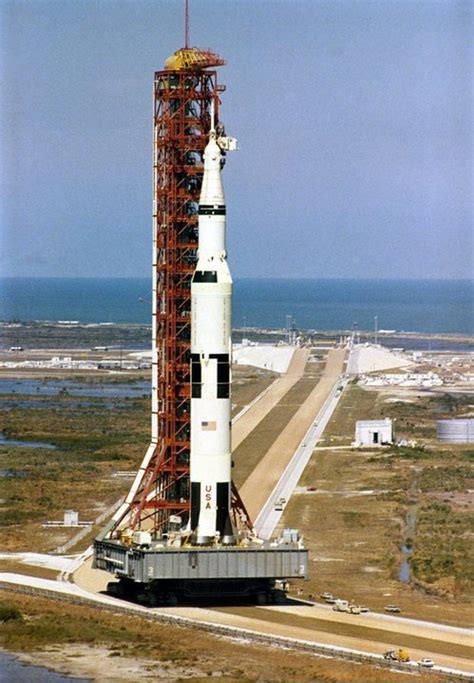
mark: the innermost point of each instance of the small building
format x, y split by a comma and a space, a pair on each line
373, 432
71, 518
455, 431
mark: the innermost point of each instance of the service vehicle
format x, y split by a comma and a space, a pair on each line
399, 655
346, 606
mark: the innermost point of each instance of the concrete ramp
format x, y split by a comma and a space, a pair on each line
370, 358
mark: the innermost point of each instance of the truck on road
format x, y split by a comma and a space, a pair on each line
346, 606
399, 655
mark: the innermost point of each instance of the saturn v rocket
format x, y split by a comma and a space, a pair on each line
211, 355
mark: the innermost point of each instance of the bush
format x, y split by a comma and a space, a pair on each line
9, 613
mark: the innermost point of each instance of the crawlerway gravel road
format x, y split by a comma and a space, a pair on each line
259, 485
247, 423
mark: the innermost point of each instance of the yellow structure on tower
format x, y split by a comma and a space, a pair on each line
190, 58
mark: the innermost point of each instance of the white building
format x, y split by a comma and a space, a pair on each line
71, 518
373, 432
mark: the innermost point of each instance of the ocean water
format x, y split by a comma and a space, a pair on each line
403, 305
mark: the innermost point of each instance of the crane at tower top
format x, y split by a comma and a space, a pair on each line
192, 58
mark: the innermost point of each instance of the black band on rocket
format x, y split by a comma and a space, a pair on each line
195, 503
205, 276
211, 210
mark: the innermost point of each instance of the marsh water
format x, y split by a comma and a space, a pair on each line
28, 386
12, 670
5, 441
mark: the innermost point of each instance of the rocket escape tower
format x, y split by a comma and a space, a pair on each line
184, 94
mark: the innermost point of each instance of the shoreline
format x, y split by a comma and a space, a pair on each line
321, 332
92, 663
47, 665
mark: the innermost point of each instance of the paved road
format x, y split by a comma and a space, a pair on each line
260, 484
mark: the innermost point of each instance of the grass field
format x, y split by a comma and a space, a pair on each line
91, 443
31, 624
369, 503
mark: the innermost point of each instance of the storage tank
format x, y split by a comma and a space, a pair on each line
455, 431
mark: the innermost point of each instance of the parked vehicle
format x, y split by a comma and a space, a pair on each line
329, 598
364, 610
311, 488
399, 655
278, 506
426, 663
392, 608
346, 606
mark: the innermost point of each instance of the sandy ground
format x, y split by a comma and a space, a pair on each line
373, 358
258, 487
58, 562
242, 428
103, 665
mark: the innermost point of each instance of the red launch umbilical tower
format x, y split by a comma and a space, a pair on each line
183, 93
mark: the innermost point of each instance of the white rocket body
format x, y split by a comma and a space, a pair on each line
211, 351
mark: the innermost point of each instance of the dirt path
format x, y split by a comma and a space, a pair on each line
263, 479
242, 428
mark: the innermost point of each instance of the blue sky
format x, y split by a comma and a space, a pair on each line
353, 120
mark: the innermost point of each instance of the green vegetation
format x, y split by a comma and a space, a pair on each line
357, 405
445, 478
368, 503
9, 613
449, 570
40, 624
91, 442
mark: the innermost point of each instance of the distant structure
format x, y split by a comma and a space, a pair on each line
71, 519
455, 431
373, 432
